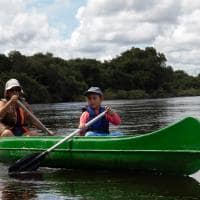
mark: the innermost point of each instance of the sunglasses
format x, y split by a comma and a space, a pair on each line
15, 89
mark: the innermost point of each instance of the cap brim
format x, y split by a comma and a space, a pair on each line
88, 93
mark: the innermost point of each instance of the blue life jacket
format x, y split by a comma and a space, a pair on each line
101, 125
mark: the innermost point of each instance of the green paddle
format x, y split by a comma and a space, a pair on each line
32, 162
35, 118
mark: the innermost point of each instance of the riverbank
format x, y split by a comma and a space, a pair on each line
141, 94
134, 74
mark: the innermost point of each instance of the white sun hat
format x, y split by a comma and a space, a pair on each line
12, 83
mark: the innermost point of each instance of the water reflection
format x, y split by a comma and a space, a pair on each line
138, 116
18, 191
109, 185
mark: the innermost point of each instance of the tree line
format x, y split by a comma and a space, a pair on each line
135, 73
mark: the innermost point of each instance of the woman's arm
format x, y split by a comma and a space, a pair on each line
4, 106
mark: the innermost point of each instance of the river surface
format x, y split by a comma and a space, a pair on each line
138, 117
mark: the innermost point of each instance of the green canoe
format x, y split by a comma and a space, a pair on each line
174, 149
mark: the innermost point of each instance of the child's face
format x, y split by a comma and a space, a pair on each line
94, 100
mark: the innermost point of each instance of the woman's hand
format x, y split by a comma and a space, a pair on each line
109, 110
5, 106
13, 99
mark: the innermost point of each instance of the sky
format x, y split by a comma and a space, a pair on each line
102, 29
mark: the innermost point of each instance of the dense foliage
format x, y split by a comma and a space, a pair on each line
136, 73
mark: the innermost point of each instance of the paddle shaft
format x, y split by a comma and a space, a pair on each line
73, 133
34, 117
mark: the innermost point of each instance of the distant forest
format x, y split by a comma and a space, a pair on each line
134, 74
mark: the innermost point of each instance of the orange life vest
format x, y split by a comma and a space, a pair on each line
15, 117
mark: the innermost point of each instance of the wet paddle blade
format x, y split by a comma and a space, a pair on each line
28, 163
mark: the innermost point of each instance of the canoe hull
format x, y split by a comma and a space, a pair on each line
173, 162
174, 149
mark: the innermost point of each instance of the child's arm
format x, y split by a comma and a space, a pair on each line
83, 120
112, 116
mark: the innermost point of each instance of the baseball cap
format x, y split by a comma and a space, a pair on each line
95, 90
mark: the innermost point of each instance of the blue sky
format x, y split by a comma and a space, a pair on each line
61, 17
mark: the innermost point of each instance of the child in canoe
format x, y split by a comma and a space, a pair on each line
94, 97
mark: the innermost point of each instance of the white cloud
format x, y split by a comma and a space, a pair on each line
26, 30
181, 44
173, 27
106, 28
121, 24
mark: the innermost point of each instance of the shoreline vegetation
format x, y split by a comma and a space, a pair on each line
134, 74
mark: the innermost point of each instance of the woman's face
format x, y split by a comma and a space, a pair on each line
94, 100
14, 91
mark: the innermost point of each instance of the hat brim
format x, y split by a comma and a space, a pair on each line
12, 86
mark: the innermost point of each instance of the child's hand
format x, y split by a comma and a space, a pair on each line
83, 129
82, 126
109, 110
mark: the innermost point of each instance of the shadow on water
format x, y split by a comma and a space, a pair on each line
74, 184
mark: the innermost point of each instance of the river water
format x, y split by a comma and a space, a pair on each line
138, 117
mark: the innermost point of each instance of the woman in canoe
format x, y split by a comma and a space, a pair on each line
13, 119
94, 97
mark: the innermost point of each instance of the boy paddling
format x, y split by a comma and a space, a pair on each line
94, 97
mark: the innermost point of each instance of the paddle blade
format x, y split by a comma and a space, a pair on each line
28, 163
